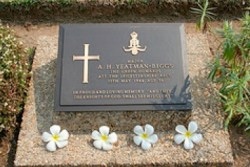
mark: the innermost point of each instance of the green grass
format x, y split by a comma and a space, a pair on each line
231, 71
28, 4
204, 12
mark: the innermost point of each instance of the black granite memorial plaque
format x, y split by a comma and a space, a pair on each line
111, 67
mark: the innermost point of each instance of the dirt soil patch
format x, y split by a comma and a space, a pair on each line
5, 145
78, 9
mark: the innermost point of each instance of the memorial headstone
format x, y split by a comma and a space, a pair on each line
110, 67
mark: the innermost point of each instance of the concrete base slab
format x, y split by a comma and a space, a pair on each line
214, 150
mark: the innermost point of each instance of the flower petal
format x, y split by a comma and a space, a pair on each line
145, 145
181, 129
188, 144
46, 137
64, 135
98, 144
112, 138
137, 140
51, 146
107, 146
179, 138
196, 138
192, 127
153, 138
149, 129
138, 130
104, 130
96, 135
55, 129
61, 144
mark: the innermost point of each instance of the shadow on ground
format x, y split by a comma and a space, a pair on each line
204, 100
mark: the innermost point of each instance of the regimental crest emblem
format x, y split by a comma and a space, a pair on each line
134, 45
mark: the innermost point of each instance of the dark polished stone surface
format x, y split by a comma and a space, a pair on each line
130, 67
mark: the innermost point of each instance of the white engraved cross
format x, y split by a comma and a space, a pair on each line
86, 59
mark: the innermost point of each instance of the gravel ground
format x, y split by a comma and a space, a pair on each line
29, 34
39, 110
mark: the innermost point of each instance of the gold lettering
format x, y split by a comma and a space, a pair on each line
109, 67
100, 67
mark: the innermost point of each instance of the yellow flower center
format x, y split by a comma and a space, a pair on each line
188, 134
55, 137
104, 137
144, 135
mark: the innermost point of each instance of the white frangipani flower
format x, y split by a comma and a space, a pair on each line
146, 137
102, 139
188, 136
56, 138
